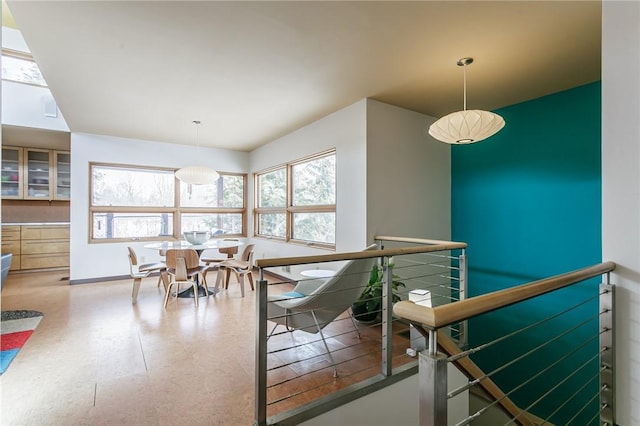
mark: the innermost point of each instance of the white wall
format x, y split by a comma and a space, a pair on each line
408, 175
418, 178
345, 131
621, 191
103, 260
24, 105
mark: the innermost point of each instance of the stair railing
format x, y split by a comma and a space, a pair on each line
441, 351
282, 352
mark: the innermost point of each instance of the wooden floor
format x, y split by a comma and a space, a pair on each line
97, 359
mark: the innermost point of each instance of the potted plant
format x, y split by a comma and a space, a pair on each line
369, 304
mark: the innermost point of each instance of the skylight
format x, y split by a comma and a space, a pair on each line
21, 68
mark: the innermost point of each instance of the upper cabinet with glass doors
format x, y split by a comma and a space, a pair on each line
12, 172
62, 175
38, 168
35, 174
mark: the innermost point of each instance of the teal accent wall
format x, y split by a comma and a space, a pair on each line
528, 203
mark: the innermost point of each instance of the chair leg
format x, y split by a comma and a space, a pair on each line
333, 363
204, 284
272, 330
164, 277
195, 293
353, 321
136, 288
221, 272
241, 282
166, 296
250, 275
226, 283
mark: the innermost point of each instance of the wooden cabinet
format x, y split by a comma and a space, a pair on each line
36, 246
61, 175
11, 244
12, 172
36, 174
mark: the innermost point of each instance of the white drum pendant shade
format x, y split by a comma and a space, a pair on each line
463, 127
197, 175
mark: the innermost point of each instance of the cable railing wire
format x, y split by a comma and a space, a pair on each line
576, 393
560, 383
584, 407
516, 332
520, 358
544, 370
304, 374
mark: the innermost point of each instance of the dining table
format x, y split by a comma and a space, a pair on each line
211, 244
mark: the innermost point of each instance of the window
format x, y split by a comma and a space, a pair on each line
20, 67
297, 202
136, 202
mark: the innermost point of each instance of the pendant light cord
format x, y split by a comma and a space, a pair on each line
197, 123
464, 71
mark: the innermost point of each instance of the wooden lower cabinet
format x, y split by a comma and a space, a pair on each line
11, 244
39, 261
36, 246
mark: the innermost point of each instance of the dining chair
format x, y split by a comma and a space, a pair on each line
138, 272
213, 262
240, 267
184, 267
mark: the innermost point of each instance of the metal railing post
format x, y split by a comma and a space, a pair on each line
261, 353
387, 319
607, 354
433, 386
463, 283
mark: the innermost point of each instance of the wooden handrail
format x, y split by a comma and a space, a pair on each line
415, 240
302, 260
441, 316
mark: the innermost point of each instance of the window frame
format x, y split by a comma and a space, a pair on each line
176, 210
289, 210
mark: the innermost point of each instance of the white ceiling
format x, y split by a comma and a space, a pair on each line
254, 71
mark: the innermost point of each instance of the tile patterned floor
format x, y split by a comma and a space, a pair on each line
95, 359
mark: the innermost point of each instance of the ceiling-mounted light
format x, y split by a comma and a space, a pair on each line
467, 126
197, 175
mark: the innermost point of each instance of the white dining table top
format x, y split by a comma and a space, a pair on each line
211, 244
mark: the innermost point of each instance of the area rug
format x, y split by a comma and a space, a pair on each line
15, 327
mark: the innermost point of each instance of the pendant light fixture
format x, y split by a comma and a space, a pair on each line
197, 175
466, 126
